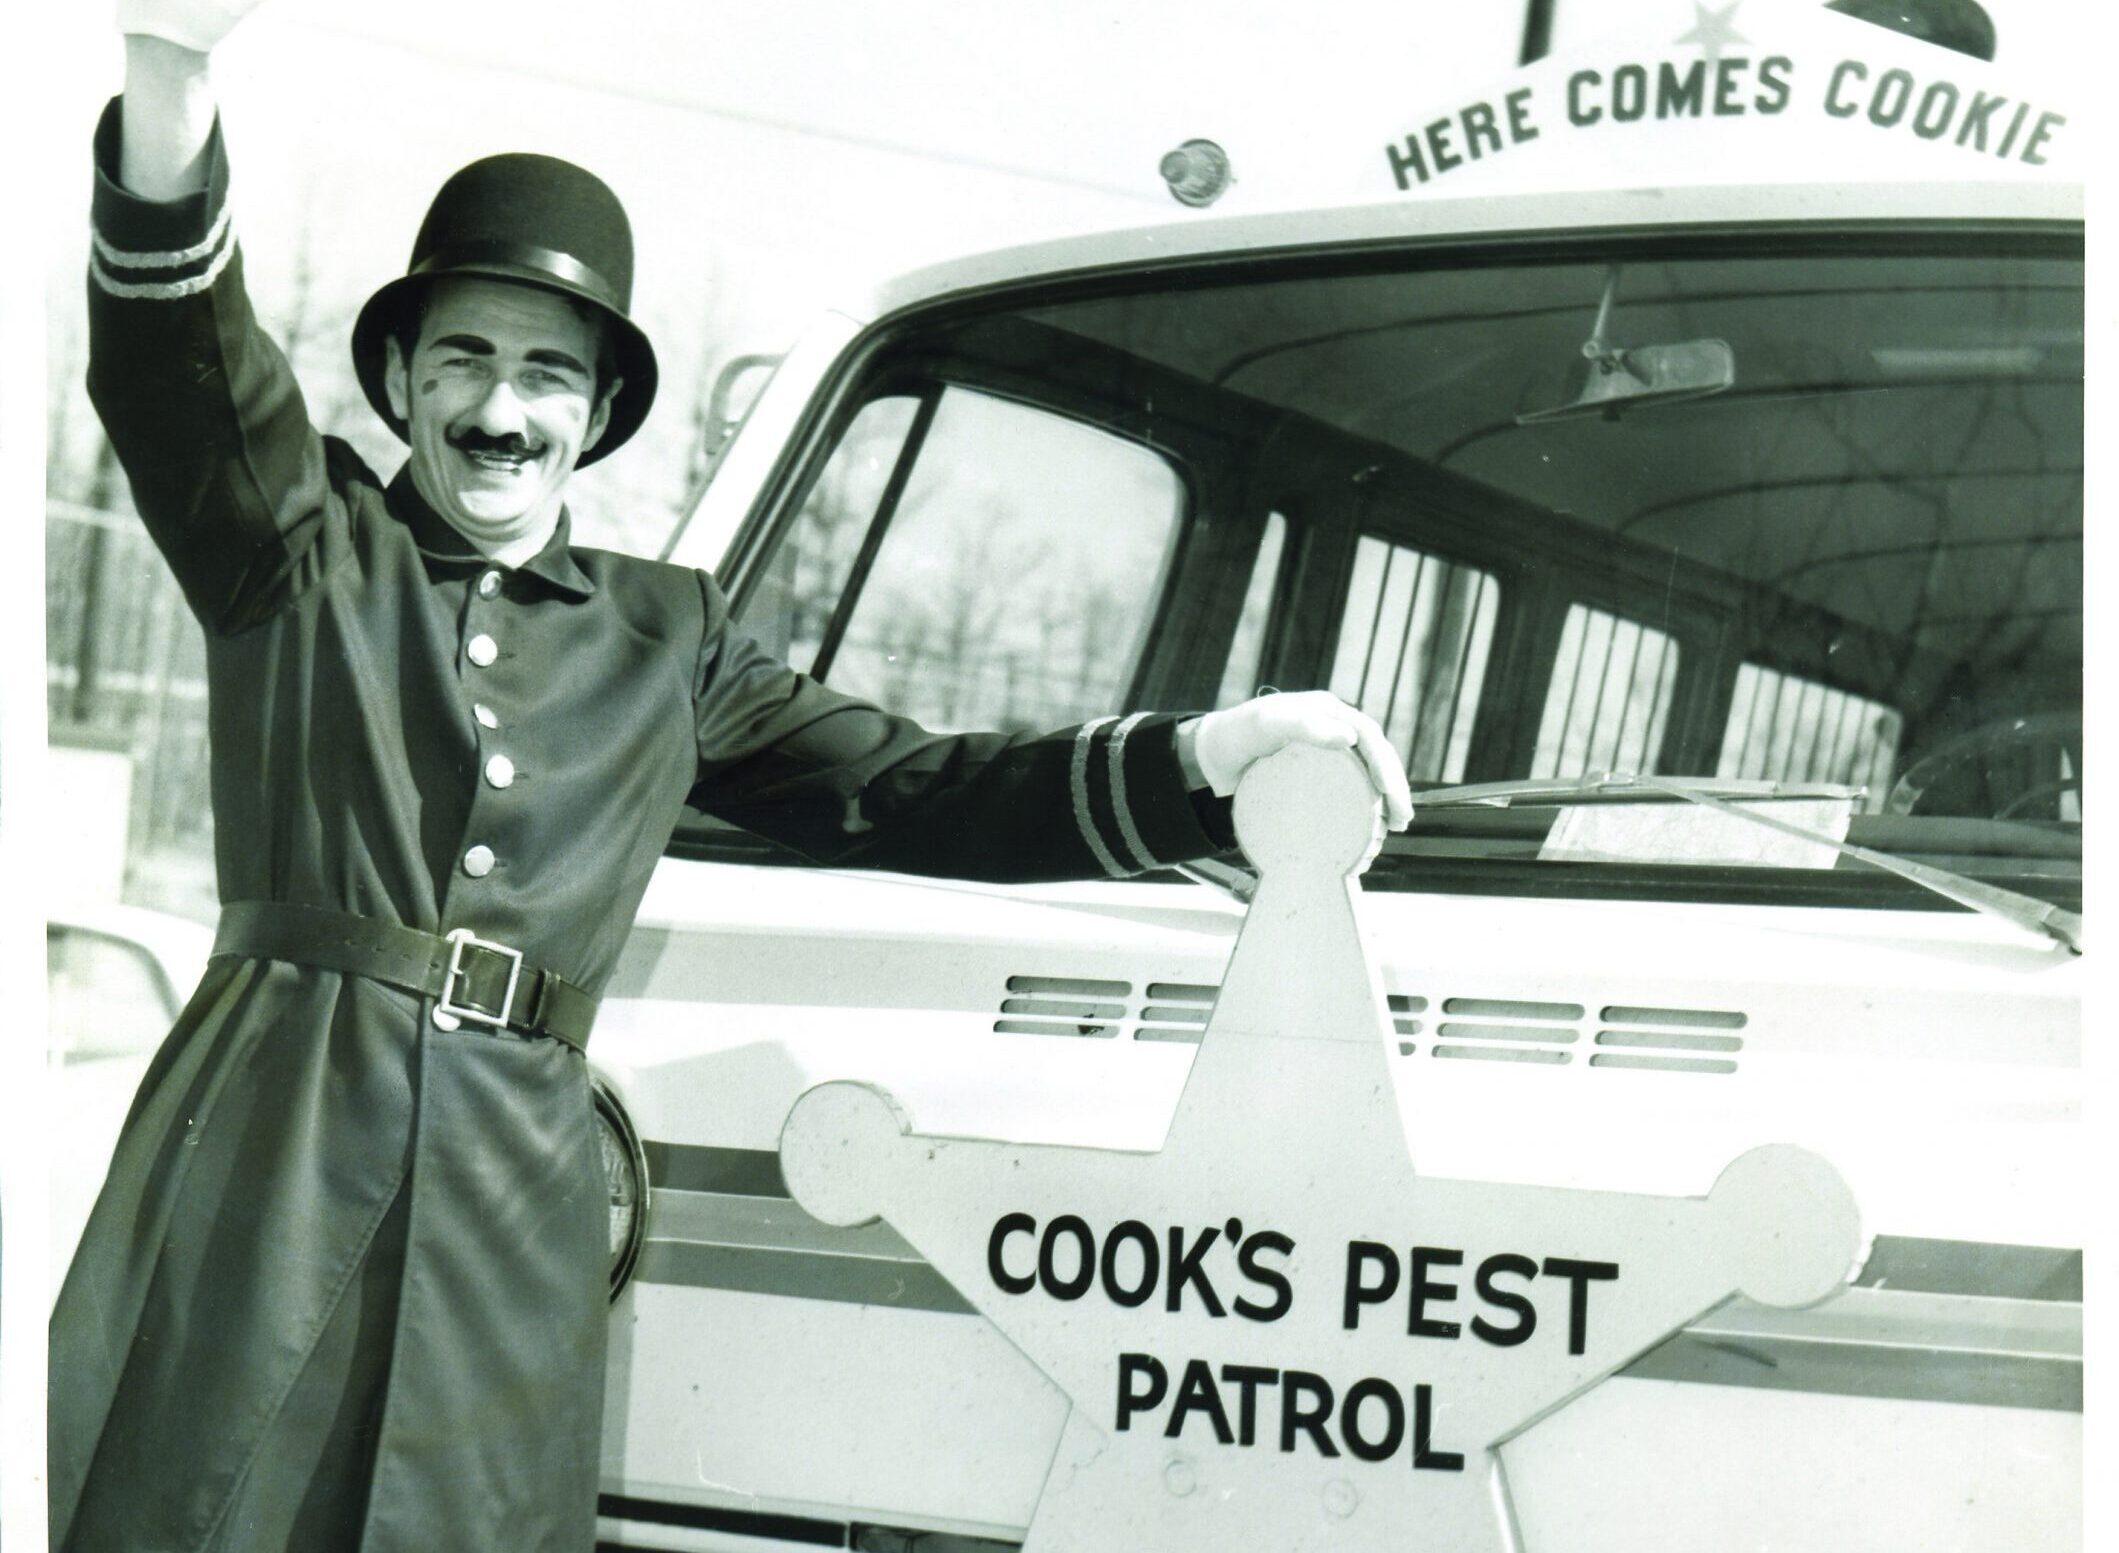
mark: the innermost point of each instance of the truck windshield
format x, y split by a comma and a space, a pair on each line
1784, 510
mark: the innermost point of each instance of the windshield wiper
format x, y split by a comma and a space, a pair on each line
2025, 911
1622, 785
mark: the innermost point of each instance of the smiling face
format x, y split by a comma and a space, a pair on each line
501, 398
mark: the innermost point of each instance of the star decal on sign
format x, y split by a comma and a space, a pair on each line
1274, 1332
1714, 30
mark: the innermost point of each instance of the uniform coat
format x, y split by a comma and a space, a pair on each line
345, 1285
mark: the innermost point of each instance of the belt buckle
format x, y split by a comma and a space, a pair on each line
459, 940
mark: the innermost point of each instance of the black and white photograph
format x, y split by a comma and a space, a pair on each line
933, 778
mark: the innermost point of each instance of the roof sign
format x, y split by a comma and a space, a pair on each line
1758, 93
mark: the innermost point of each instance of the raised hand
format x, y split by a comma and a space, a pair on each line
192, 24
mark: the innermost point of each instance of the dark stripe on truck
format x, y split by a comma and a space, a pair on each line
856, 1280
746, 1523
690, 1167
1972, 1267
2048, 1383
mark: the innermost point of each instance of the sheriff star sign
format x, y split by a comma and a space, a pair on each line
1275, 1333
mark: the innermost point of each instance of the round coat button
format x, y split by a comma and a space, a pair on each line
500, 771
482, 650
488, 585
444, 1020
478, 862
484, 714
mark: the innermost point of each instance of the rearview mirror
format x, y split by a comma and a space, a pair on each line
1621, 377
1647, 374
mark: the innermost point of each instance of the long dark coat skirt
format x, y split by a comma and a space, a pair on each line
345, 1285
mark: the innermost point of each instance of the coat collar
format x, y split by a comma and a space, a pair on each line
438, 541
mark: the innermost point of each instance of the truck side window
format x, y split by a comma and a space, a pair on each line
1412, 651
1012, 582
792, 603
1609, 696
1783, 728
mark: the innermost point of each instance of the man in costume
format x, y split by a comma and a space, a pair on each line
344, 1286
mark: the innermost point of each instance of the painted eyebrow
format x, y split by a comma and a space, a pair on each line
546, 356
543, 355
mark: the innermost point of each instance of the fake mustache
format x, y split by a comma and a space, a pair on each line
470, 439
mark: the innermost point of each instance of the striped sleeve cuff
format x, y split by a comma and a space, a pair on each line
156, 250
1131, 802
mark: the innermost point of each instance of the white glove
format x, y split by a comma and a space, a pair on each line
1225, 743
192, 24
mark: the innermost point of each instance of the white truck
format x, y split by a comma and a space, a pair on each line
1705, 530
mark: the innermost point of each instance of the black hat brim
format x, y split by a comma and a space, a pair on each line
382, 313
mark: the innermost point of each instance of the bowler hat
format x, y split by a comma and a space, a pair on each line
538, 221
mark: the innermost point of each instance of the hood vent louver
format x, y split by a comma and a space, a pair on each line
1669, 1040
1546, 1034
1060, 1005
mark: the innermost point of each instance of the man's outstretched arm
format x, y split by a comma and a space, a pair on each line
845, 782
201, 407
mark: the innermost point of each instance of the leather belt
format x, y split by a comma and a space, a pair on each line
474, 979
